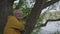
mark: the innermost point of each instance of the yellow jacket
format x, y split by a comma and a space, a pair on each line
13, 25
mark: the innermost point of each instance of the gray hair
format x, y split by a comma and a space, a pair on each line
17, 11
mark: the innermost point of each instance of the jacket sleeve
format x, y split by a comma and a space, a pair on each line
16, 24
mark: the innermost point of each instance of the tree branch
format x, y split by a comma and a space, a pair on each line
50, 3
42, 25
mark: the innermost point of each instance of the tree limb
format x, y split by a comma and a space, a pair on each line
50, 3
42, 25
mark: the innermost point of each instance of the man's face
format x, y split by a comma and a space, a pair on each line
18, 15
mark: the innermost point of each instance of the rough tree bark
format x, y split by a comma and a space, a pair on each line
31, 19
5, 6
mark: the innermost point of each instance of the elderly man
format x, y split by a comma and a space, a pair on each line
14, 24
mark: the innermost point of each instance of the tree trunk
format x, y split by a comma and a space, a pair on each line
5, 6
31, 19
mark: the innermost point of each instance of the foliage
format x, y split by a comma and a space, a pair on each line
40, 18
26, 11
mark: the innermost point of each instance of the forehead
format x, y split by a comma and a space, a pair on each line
17, 11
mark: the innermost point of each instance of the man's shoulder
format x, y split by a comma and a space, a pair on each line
12, 18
